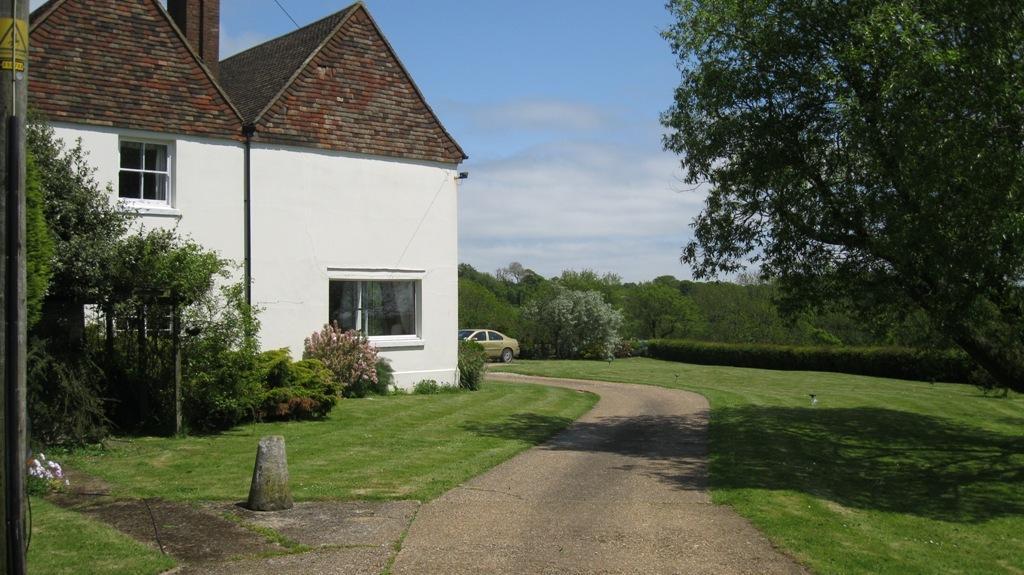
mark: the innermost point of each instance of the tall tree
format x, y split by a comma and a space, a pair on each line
608, 285
86, 228
869, 149
655, 310
520, 283
480, 308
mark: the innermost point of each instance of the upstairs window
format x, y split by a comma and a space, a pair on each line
144, 175
376, 308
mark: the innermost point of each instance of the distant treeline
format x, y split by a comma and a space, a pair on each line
747, 311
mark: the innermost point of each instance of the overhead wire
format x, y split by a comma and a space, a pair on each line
279, 5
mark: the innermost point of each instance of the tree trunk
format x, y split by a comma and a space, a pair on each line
992, 339
1001, 357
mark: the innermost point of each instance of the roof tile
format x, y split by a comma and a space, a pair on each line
122, 63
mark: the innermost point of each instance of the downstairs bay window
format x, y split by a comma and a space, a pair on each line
382, 309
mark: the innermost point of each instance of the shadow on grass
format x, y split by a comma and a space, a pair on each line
872, 458
866, 458
531, 428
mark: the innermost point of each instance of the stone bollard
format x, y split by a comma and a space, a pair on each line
269, 490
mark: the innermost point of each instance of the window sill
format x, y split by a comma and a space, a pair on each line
384, 342
151, 210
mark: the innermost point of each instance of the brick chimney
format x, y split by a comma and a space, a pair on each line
199, 20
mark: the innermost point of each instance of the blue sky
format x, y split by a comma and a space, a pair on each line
557, 105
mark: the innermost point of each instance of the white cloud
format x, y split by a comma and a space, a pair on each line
599, 205
537, 115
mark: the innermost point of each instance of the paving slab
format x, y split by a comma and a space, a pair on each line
329, 523
622, 490
356, 537
181, 530
347, 561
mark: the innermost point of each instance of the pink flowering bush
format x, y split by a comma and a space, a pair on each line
351, 358
45, 476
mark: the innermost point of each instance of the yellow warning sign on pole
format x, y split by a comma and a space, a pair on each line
13, 44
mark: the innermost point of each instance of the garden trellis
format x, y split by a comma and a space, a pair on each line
143, 355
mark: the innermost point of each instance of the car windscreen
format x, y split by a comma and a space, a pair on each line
464, 333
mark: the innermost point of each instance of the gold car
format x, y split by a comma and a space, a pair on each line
497, 345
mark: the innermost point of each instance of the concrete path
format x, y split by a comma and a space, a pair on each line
623, 490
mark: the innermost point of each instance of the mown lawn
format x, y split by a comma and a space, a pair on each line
881, 476
67, 543
399, 447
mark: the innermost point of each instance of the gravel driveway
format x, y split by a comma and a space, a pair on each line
622, 490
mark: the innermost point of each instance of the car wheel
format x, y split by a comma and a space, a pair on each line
506, 355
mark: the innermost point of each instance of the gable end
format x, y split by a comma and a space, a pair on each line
354, 95
124, 64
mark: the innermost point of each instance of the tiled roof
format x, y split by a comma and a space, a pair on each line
348, 93
336, 84
253, 78
123, 63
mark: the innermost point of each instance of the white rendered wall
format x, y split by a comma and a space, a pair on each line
206, 183
320, 215
316, 216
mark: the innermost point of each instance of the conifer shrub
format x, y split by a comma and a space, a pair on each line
302, 389
472, 359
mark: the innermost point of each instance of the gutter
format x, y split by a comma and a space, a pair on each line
248, 130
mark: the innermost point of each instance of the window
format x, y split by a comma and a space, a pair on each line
144, 174
376, 308
493, 336
480, 336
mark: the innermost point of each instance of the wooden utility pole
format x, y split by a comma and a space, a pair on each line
14, 104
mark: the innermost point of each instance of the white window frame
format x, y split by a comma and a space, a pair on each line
143, 205
338, 274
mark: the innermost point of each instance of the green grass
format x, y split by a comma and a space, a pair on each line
66, 543
399, 447
881, 476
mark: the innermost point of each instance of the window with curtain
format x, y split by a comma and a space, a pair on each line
376, 308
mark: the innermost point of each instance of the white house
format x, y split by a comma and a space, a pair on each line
313, 159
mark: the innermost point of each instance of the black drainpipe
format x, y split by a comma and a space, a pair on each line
248, 130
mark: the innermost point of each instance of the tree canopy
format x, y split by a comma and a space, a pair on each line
867, 150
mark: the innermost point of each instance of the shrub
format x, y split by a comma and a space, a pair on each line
65, 403
385, 377
472, 359
426, 387
225, 395
44, 476
432, 387
221, 383
631, 347
895, 362
295, 389
572, 324
349, 356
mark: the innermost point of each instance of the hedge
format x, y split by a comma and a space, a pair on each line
894, 362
